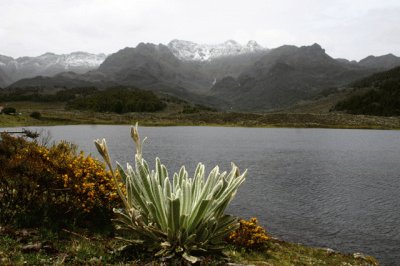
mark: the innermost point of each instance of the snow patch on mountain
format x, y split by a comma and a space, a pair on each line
190, 51
49, 64
75, 59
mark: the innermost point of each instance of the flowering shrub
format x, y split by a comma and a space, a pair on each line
54, 185
88, 181
249, 235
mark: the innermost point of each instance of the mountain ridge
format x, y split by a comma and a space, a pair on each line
49, 64
382, 62
255, 80
285, 76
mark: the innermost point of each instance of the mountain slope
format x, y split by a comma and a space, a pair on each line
49, 64
285, 76
378, 94
4, 79
148, 66
64, 80
383, 62
152, 67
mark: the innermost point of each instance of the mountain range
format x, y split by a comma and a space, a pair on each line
228, 76
48, 64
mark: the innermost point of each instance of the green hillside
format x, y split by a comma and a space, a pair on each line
119, 100
115, 99
378, 94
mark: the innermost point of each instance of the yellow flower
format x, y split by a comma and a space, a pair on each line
249, 234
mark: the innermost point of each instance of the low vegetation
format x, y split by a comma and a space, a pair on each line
55, 114
39, 246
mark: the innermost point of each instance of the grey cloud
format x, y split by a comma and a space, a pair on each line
350, 29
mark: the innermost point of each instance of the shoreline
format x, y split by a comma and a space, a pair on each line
143, 124
6, 124
54, 113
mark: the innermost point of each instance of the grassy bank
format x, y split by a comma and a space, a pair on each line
43, 247
55, 114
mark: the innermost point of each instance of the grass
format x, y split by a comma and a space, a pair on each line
43, 247
55, 114
284, 253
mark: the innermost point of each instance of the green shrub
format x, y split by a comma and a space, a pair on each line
180, 219
36, 115
9, 110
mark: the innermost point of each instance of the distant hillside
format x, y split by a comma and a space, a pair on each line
284, 77
226, 76
64, 80
34, 94
383, 62
153, 67
48, 64
4, 79
378, 94
119, 100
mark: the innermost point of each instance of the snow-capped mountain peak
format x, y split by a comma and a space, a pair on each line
190, 51
49, 64
74, 59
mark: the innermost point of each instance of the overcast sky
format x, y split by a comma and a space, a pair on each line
350, 29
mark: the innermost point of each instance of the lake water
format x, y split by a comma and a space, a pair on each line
321, 187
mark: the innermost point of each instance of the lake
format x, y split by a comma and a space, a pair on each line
331, 188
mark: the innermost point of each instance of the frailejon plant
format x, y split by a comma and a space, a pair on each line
180, 219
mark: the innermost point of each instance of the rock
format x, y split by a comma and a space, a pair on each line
24, 234
239, 264
32, 248
96, 260
49, 249
330, 251
359, 256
